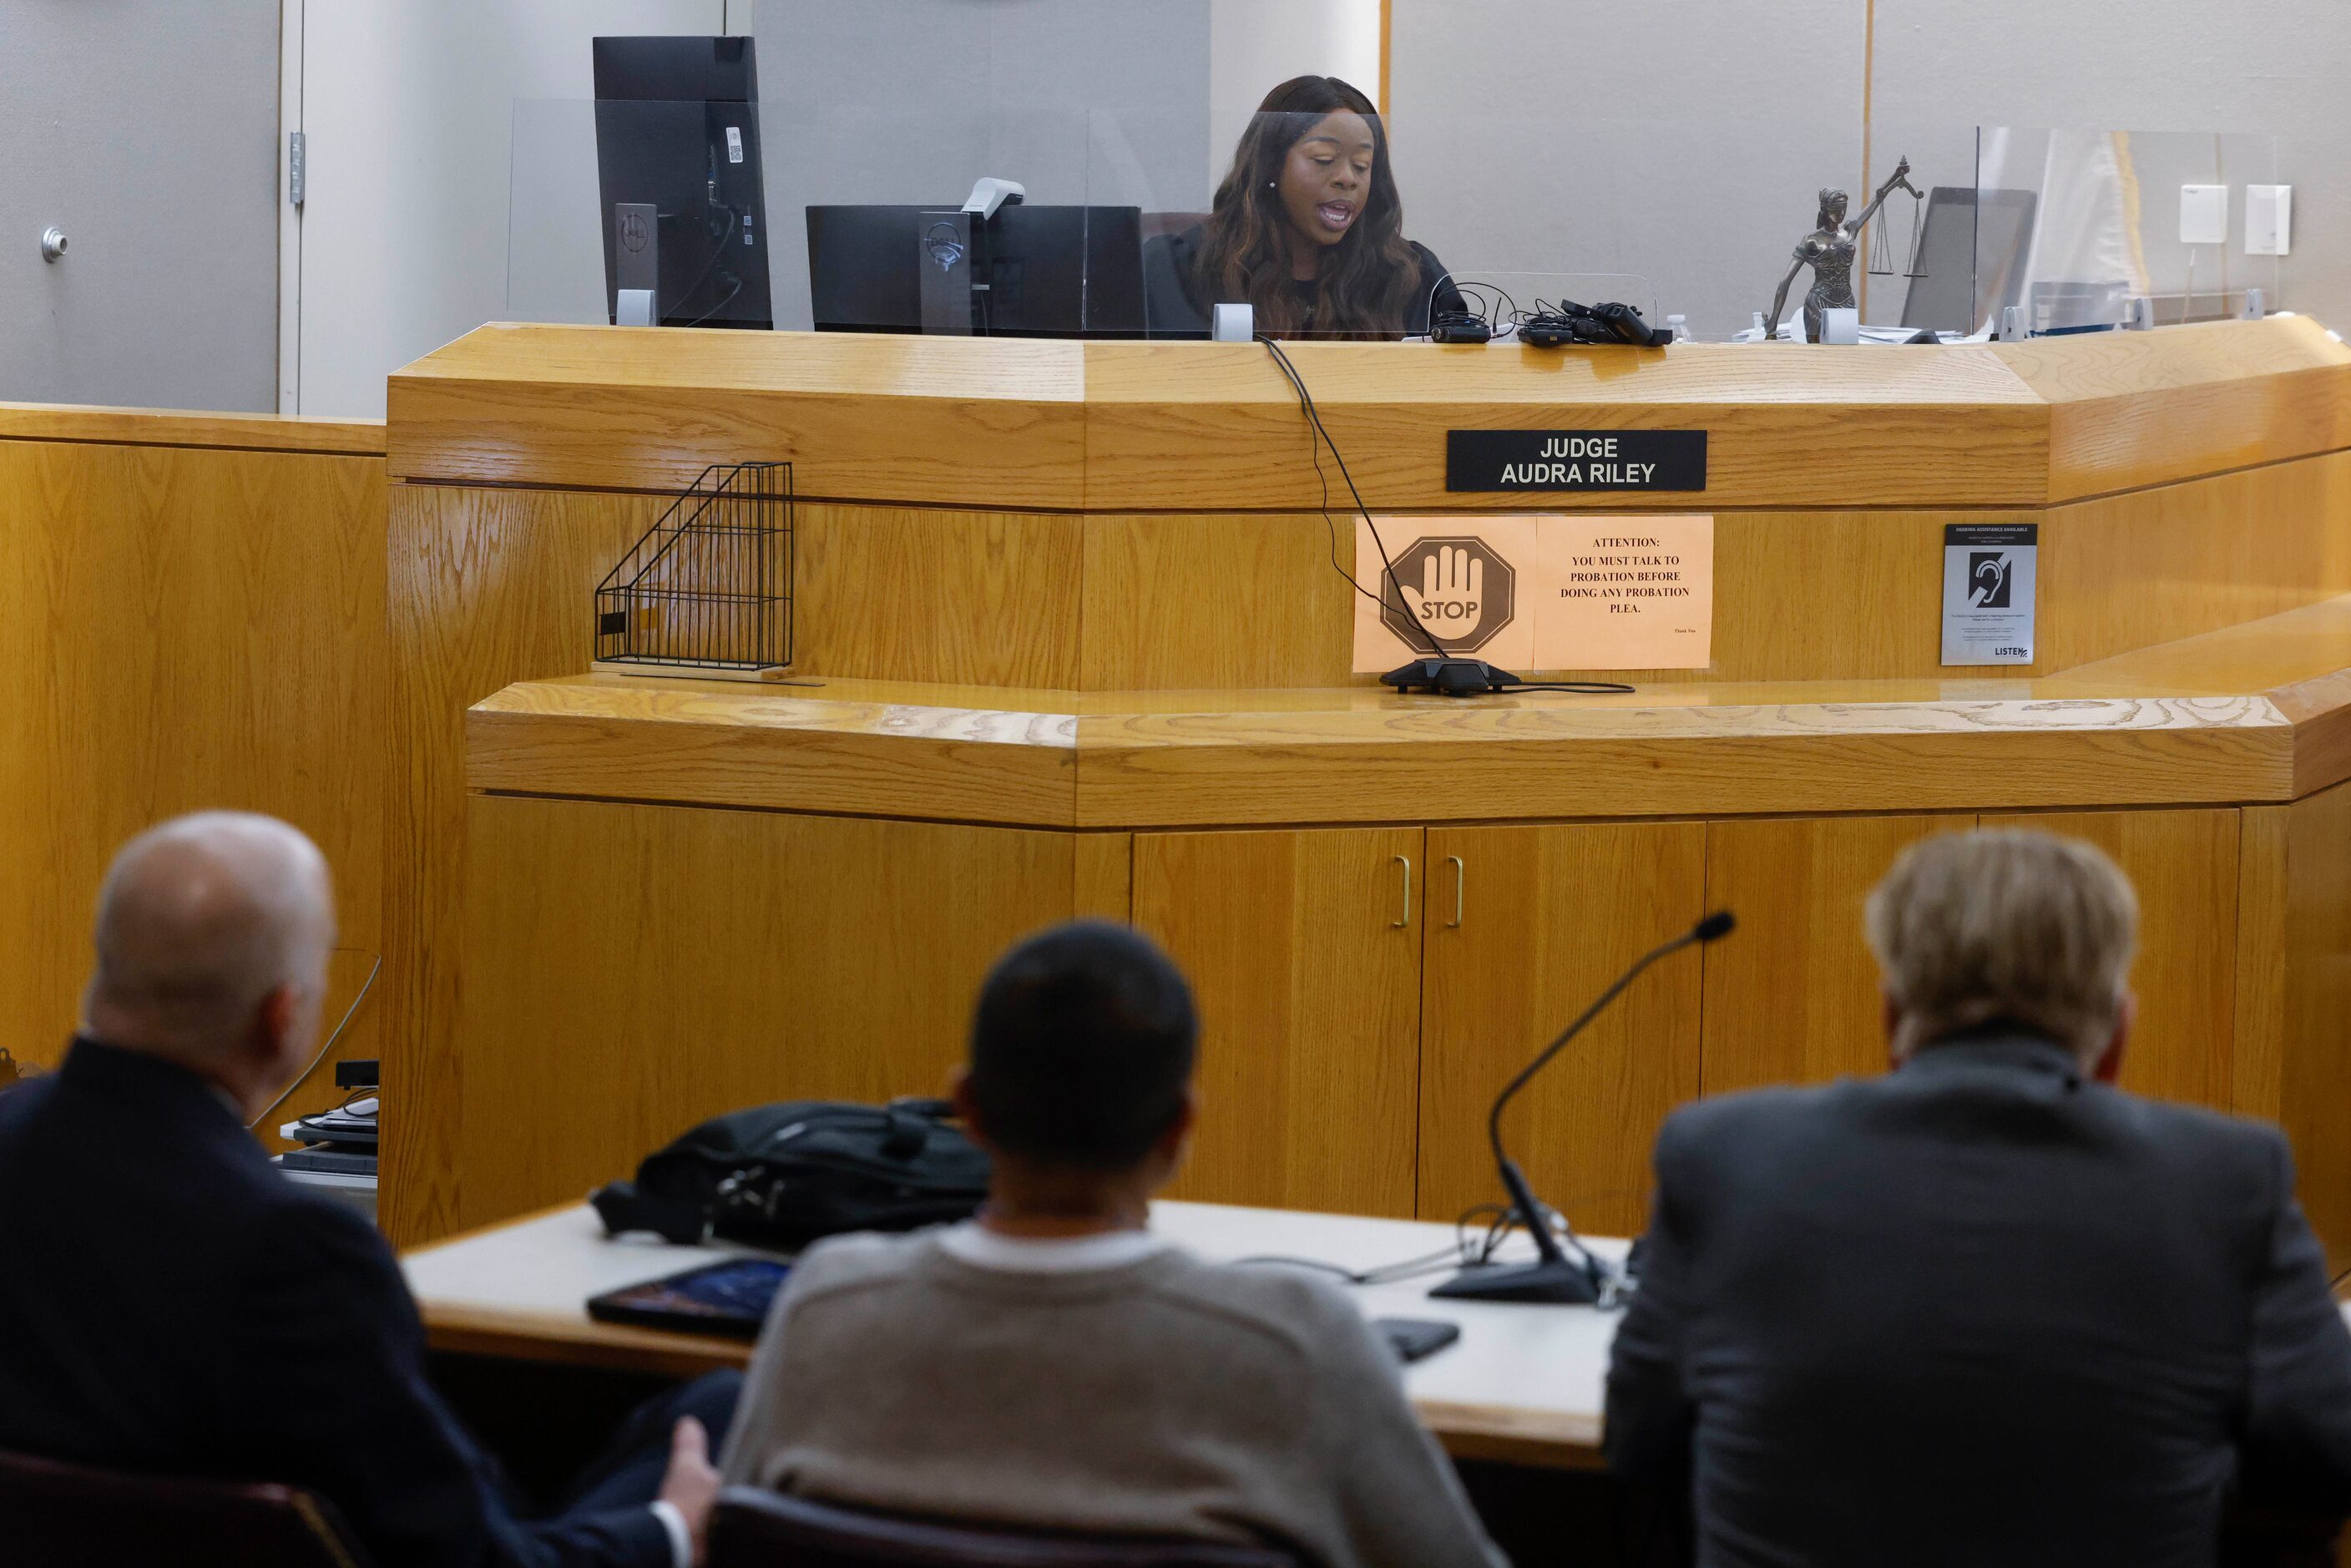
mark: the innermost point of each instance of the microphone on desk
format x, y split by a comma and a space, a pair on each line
1553, 1277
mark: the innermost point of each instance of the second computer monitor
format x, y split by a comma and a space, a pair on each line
1047, 271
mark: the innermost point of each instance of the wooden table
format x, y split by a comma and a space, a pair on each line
1522, 1384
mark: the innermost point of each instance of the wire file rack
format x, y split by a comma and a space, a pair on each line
707, 592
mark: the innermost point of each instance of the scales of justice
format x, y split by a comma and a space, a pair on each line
1829, 251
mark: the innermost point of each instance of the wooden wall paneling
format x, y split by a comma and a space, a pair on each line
1310, 1008
631, 970
1881, 620
1827, 751
2185, 866
897, 593
1791, 996
1219, 425
2315, 1064
979, 422
1547, 917
2154, 566
2136, 409
188, 427
1240, 600
181, 628
487, 587
1218, 600
2258, 1031
782, 745
1105, 871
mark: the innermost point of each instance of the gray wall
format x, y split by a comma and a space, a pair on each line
913, 101
148, 130
2268, 70
1695, 163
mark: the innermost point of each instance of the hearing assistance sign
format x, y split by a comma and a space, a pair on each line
1533, 593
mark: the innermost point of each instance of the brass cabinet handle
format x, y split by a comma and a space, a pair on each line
1460, 878
1400, 925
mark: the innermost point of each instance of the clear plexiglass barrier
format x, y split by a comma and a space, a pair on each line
1099, 223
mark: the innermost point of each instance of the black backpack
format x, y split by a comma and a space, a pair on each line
783, 1175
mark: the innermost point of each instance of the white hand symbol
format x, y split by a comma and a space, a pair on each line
1452, 589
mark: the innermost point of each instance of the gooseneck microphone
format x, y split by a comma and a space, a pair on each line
1553, 1276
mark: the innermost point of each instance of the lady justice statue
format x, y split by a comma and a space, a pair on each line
1829, 251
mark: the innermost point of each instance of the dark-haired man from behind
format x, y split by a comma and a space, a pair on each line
1987, 1308
1053, 1364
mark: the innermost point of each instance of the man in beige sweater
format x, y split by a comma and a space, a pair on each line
1053, 1363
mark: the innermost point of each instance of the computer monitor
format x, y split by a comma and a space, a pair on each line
1970, 257
1033, 271
677, 164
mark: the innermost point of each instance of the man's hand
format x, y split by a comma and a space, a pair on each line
1452, 583
690, 1485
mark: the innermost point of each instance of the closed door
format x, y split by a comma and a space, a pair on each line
2184, 865
1792, 997
1527, 925
1303, 949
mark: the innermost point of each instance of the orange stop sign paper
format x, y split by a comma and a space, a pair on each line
1538, 593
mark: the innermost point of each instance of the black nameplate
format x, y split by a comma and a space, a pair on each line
1576, 459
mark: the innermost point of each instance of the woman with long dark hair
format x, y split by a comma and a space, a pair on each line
1307, 228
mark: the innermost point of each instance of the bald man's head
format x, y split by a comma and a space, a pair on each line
213, 935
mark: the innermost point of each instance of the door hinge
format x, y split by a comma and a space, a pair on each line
294, 167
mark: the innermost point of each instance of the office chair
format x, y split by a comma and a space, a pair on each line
752, 1528
57, 1512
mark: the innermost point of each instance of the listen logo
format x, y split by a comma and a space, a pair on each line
1456, 589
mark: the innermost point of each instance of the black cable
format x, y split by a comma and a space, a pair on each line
1314, 417
365, 986
722, 305
1462, 1254
1387, 565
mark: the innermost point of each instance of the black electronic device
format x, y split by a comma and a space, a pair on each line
1415, 1339
359, 1073
678, 164
1459, 326
1450, 677
1553, 327
1035, 271
1554, 1277
730, 1297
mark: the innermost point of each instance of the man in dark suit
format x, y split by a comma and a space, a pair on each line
1986, 1308
169, 1302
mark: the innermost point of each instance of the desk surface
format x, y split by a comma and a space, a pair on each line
1522, 1383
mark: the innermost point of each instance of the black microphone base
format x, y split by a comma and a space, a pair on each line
1450, 677
1555, 1282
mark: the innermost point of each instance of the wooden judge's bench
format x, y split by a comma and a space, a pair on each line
1074, 646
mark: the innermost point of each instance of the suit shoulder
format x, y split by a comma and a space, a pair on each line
2192, 1134
1750, 1113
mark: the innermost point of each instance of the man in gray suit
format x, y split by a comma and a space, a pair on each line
1987, 1309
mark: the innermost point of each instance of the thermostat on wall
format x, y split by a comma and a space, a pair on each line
2269, 220
2203, 214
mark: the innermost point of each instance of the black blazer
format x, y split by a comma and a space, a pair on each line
169, 1302
1978, 1311
1173, 306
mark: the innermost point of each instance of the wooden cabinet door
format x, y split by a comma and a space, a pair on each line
1527, 925
1303, 949
632, 970
1792, 997
2185, 867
